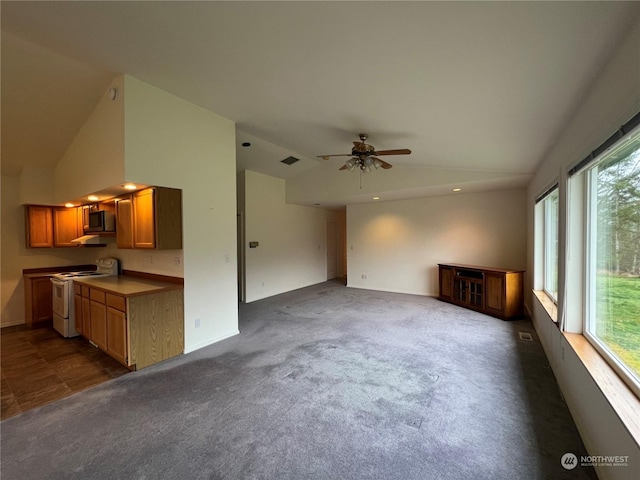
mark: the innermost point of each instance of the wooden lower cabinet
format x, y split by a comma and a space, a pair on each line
117, 334
495, 291
137, 331
38, 299
117, 328
77, 302
99, 324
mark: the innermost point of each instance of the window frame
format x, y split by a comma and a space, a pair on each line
546, 261
631, 378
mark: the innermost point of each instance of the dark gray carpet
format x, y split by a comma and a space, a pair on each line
325, 382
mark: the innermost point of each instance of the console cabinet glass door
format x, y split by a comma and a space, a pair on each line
468, 291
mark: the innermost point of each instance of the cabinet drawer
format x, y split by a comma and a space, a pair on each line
77, 289
116, 301
97, 295
85, 291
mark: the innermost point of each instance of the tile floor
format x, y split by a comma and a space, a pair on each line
38, 366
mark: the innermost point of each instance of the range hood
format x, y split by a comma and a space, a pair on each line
88, 240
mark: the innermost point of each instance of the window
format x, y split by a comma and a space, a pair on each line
550, 250
547, 243
613, 257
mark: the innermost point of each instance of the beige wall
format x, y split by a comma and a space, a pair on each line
292, 239
398, 245
613, 100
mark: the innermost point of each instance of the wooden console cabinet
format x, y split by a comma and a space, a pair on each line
495, 291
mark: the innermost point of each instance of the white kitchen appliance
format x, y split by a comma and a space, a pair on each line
64, 315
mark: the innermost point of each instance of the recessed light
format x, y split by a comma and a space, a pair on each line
69, 205
376, 198
92, 198
457, 189
246, 144
130, 186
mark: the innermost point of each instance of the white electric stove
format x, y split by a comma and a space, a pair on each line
64, 317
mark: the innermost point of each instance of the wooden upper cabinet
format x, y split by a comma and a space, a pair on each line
150, 218
144, 235
124, 222
168, 215
53, 226
39, 224
66, 226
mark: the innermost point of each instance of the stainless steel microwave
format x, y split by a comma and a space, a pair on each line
100, 221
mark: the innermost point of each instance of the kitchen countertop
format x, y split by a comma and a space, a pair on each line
48, 271
127, 286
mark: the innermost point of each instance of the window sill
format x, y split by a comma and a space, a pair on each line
548, 304
623, 401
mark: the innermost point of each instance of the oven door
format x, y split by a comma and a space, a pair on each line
60, 297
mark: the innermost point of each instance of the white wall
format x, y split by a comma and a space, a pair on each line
292, 239
173, 143
399, 244
613, 99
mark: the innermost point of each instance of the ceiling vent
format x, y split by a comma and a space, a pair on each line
290, 160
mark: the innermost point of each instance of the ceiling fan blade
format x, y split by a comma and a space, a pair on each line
326, 157
383, 164
401, 151
343, 167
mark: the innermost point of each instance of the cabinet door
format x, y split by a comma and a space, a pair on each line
77, 303
65, 226
42, 299
86, 318
117, 334
495, 293
468, 292
99, 324
144, 234
39, 227
124, 222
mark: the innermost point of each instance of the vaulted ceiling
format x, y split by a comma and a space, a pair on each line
482, 87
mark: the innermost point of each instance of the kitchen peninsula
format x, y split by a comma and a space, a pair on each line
138, 321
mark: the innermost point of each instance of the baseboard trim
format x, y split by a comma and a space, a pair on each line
405, 292
211, 342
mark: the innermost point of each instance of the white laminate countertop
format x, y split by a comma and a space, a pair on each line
127, 286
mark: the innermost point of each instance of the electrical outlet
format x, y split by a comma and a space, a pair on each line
150, 259
226, 258
197, 323
364, 276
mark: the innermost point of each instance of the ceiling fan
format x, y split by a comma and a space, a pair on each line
364, 156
